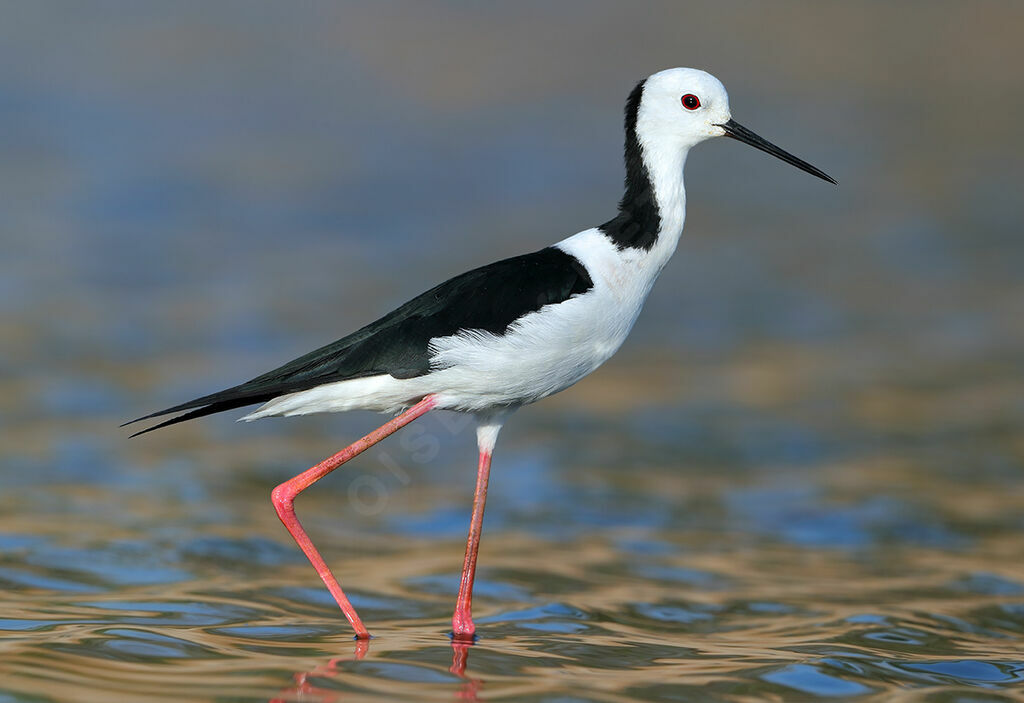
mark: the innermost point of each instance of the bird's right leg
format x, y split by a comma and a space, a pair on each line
283, 498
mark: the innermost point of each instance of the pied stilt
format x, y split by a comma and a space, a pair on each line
510, 333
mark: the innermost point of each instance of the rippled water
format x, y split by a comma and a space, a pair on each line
711, 583
801, 479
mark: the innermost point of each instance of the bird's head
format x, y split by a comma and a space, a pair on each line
681, 107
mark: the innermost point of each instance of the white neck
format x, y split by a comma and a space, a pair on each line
666, 173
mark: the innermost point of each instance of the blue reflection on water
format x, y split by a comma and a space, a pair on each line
810, 679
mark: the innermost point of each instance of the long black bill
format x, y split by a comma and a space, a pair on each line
741, 133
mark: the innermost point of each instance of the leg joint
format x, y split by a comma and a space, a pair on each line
283, 498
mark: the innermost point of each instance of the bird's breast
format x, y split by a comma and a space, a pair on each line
550, 349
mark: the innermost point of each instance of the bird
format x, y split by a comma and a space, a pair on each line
509, 333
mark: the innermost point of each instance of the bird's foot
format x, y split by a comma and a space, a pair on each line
463, 629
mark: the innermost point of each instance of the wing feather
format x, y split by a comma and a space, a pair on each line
487, 298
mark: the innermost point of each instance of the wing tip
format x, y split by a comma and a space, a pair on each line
201, 411
138, 419
165, 423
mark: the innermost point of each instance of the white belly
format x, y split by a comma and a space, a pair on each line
544, 353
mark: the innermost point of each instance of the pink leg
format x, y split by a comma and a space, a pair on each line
463, 628
283, 498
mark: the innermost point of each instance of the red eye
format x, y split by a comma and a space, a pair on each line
691, 101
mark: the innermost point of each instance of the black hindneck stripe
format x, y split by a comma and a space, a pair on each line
638, 222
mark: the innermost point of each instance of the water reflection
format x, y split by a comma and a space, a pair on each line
781, 619
305, 681
325, 682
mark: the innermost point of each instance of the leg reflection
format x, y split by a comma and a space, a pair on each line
304, 688
460, 657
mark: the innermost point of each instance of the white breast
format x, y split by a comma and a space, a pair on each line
548, 350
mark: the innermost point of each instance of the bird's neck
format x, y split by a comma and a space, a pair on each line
666, 174
653, 208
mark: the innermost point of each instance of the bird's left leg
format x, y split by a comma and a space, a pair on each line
487, 430
284, 496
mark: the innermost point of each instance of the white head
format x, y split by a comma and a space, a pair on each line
667, 114
681, 107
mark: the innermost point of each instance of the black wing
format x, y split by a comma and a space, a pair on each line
488, 298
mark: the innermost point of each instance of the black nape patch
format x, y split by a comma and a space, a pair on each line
488, 298
638, 222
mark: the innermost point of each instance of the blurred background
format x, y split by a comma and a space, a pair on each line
800, 477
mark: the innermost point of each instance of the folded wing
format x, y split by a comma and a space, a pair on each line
488, 298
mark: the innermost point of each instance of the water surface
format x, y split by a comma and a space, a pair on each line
801, 479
